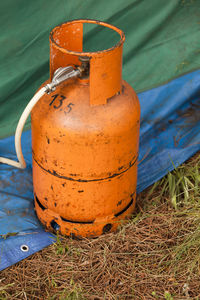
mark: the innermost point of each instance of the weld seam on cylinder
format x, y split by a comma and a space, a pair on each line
131, 164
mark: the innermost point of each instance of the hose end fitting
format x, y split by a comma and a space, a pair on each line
60, 75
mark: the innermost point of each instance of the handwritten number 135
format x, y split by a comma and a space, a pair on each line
60, 99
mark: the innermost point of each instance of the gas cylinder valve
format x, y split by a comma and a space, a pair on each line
84, 68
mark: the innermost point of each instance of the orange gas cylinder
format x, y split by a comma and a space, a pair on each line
85, 138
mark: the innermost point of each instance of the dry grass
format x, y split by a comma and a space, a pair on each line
154, 256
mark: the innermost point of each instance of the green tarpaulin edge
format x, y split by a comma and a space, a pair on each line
162, 43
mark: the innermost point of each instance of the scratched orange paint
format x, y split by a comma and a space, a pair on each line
85, 138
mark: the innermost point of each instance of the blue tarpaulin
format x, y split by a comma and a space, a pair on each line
169, 135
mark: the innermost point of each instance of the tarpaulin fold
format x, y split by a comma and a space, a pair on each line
161, 54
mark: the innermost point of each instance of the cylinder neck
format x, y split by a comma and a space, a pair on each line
105, 67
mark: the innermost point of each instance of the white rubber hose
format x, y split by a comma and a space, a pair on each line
21, 164
60, 75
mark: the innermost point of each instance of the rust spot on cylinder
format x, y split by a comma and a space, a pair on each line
119, 203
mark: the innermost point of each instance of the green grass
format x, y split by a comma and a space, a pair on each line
74, 292
3, 293
59, 247
181, 186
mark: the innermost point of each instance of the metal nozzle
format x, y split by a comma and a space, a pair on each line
60, 75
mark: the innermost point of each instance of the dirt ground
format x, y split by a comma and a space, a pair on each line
156, 255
